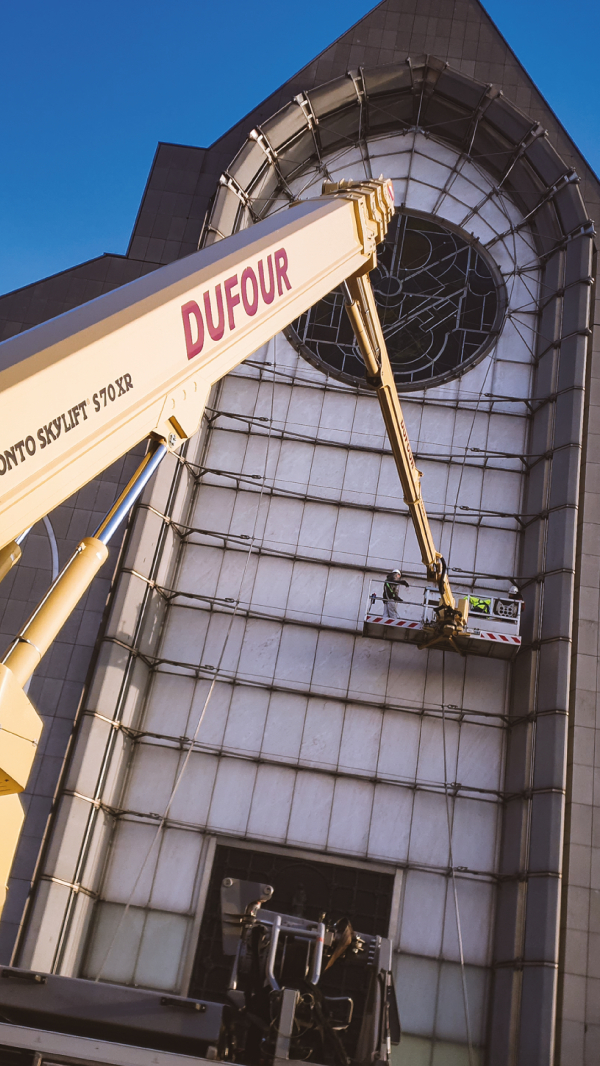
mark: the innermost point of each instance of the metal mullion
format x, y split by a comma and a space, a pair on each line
460, 402
496, 797
368, 449
200, 672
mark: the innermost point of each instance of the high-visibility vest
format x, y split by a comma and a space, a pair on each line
483, 606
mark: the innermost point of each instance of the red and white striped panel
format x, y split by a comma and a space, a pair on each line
503, 638
400, 623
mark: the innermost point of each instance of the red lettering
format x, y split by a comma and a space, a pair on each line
267, 295
194, 347
231, 300
217, 331
250, 306
281, 265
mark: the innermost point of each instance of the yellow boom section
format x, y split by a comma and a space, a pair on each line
362, 312
79, 391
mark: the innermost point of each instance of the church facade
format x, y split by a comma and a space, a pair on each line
214, 709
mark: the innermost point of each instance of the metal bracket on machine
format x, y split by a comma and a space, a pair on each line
275, 984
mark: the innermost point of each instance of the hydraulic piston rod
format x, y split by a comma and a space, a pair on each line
20, 725
36, 636
50, 616
9, 556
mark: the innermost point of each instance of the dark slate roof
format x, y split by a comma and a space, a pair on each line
26, 307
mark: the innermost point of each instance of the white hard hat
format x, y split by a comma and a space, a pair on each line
513, 591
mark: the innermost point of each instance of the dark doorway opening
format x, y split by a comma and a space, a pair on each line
308, 889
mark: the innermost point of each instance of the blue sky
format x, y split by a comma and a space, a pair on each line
88, 89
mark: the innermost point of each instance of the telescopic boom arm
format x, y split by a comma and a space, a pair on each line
362, 312
77, 392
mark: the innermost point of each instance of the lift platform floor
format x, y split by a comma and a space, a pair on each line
472, 642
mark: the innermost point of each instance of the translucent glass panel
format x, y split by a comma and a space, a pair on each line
141, 947
365, 736
330, 662
428, 923
432, 1000
418, 1051
336, 812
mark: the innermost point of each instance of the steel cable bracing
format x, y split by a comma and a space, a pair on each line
190, 748
460, 402
208, 672
258, 424
253, 609
321, 383
453, 875
243, 482
185, 532
137, 818
478, 457
171, 743
413, 784
234, 678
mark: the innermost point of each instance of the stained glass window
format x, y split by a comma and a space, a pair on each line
439, 304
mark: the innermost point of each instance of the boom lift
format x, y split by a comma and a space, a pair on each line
77, 392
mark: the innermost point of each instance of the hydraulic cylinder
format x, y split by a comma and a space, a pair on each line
9, 556
12, 817
36, 637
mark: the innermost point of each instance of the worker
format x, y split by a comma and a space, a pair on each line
390, 592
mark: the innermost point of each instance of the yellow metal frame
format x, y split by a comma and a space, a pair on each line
363, 315
79, 391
